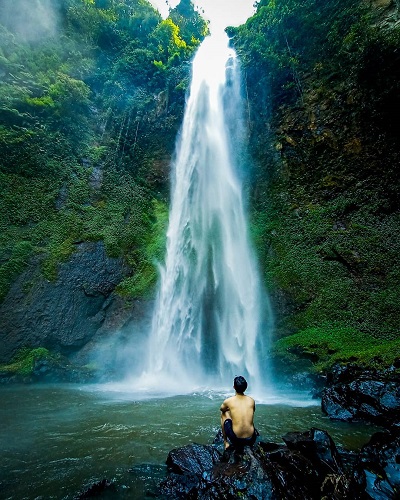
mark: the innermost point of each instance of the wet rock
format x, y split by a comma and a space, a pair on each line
59, 370
65, 315
96, 178
193, 458
343, 373
292, 474
49, 369
370, 396
181, 486
219, 438
377, 471
308, 466
188, 466
96, 488
228, 477
318, 447
7, 378
335, 403
241, 475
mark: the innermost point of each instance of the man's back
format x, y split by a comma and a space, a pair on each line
241, 409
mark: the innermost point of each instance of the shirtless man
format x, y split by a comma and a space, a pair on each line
237, 413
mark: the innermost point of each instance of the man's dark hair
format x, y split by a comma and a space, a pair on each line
240, 384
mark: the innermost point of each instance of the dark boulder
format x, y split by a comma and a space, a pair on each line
335, 403
291, 473
317, 446
230, 476
308, 466
192, 459
340, 374
188, 466
377, 471
370, 396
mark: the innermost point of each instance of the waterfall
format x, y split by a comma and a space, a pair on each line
207, 324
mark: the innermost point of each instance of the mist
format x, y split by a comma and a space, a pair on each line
122, 354
32, 20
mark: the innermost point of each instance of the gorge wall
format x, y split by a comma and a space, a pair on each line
90, 108
92, 96
323, 87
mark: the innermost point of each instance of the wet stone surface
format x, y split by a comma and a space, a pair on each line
307, 466
355, 394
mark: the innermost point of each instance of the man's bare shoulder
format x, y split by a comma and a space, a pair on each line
248, 398
228, 400
226, 404
239, 398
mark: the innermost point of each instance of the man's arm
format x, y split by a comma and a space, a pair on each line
224, 407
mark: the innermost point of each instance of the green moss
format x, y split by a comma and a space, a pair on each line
24, 361
25, 201
145, 262
78, 188
338, 264
60, 231
15, 264
338, 344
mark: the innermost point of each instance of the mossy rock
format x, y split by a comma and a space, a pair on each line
40, 365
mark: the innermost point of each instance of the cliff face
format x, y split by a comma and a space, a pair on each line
323, 83
87, 130
91, 100
66, 314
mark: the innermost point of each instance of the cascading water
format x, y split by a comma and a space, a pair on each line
207, 318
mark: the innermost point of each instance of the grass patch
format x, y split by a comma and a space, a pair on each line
330, 345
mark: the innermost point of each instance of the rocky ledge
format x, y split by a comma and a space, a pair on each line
307, 466
40, 365
353, 393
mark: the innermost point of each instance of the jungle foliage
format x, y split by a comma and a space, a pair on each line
323, 82
91, 98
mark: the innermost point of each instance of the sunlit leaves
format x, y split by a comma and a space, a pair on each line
192, 26
167, 39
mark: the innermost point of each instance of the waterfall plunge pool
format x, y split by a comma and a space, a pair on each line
54, 439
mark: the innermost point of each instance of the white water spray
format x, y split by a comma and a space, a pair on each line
207, 321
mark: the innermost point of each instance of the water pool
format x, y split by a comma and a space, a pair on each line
56, 438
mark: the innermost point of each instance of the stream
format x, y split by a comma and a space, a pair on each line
55, 439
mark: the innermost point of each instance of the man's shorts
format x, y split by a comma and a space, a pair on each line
238, 442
